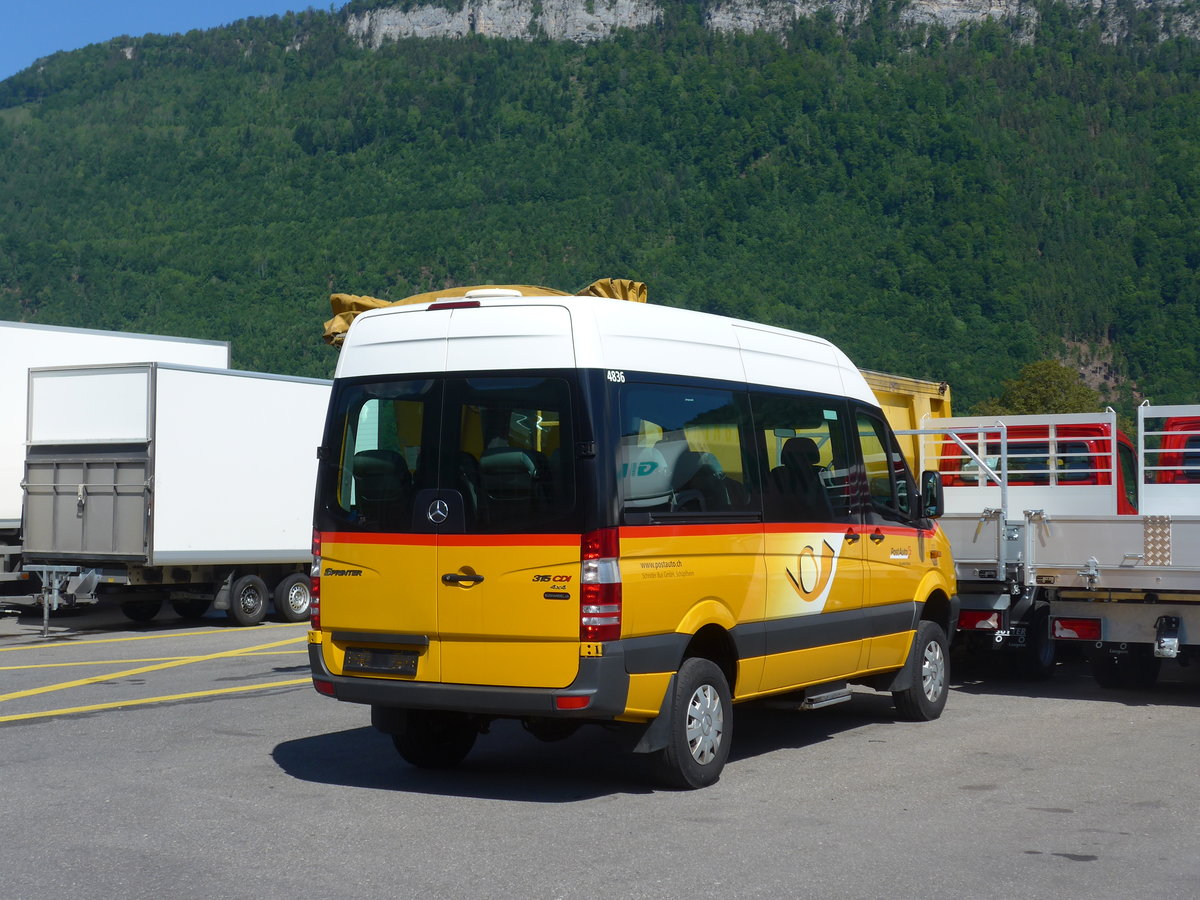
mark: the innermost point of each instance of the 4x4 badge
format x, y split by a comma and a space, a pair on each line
439, 512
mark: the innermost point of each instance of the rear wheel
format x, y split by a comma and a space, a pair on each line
929, 676
435, 740
700, 726
292, 598
248, 600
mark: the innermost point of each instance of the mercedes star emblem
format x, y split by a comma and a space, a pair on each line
439, 512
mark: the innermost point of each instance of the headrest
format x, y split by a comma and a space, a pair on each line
800, 451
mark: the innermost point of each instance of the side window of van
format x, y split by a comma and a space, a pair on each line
681, 450
806, 469
888, 484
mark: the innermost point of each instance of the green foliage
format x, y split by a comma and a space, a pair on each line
950, 209
1043, 388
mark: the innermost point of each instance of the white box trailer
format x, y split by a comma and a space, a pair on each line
30, 346
157, 482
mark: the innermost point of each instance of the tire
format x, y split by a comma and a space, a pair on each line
141, 610
1038, 659
191, 609
1136, 670
292, 598
929, 670
701, 726
435, 740
248, 600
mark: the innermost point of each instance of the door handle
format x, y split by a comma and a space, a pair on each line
877, 537
851, 536
455, 578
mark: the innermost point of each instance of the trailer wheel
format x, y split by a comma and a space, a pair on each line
435, 740
929, 670
248, 600
191, 609
292, 598
1038, 659
141, 610
1136, 670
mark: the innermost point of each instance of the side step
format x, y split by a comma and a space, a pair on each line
826, 695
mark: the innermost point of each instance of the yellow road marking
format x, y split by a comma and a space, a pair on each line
96, 679
143, 637
114, 662
42, 714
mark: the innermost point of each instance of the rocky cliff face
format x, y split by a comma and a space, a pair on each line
592, 20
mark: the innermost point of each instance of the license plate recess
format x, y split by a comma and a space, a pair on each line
375, 661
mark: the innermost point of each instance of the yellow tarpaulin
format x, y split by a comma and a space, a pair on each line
347, 306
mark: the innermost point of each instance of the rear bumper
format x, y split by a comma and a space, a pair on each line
603, 680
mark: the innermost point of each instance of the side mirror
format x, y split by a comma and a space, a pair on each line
933, 501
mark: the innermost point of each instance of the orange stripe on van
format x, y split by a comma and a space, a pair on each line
452, 540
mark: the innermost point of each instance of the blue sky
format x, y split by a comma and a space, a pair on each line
35, 28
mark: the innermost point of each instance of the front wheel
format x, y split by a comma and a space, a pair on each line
929, 676
701, 723
435, 740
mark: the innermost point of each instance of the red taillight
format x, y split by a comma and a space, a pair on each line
571, 702
314, 585
323, 687
979, 620
1075, 629
600, 586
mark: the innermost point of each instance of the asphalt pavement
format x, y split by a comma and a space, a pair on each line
194, 760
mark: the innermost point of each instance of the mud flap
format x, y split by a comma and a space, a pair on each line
657, 732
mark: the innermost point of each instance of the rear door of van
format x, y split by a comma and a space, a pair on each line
450, 514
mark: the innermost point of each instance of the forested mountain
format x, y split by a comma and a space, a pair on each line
942, 205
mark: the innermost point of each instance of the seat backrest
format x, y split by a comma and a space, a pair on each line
798, 480
382, 487
380, 475
508, 473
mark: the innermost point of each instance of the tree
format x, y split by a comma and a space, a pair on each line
1042, 388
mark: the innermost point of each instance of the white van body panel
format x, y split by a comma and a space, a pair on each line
593, 333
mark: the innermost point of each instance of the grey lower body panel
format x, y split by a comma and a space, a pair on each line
602, 679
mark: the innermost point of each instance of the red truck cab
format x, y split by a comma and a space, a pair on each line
1180, 456
1060, 455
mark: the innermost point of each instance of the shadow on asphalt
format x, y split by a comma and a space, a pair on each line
509, 764
994, 675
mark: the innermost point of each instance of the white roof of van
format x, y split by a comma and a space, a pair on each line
488, 331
